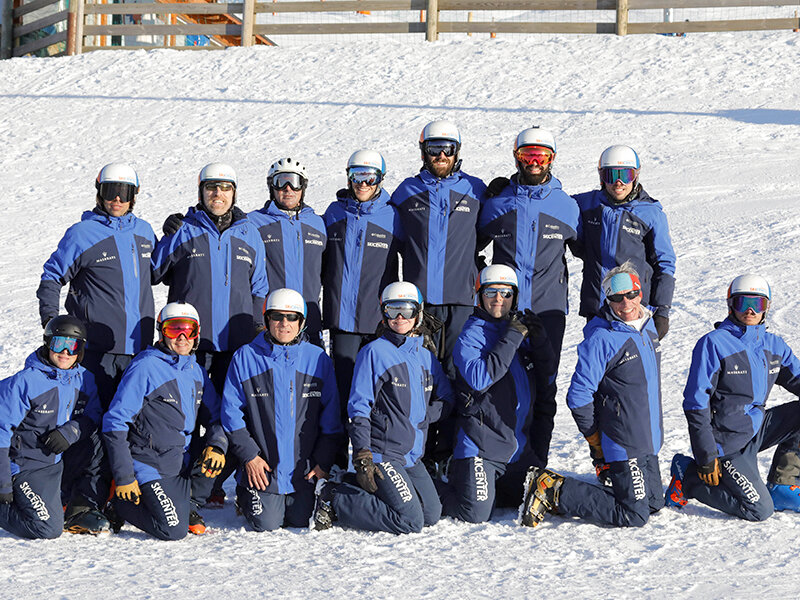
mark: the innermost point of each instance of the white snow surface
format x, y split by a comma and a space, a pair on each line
716, 121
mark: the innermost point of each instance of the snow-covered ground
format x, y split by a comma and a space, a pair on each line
716, 121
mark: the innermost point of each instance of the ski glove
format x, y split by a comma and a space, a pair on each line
516, 323
710, 473
603, 471
662, 325
6, 498
129, 492
55, 441
212, 461
366, 471
536, 330
595, 446
172, 224
497, 185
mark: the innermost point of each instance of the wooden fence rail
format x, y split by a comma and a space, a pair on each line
234, 23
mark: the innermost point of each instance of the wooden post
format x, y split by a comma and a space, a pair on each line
72, 21
432, 21
469, 20
622, 17
7, 38
248, 20
78, 31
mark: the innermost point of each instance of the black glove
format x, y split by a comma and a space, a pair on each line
55, 441
497, 185
46, 320
515, 323
172, 224
366, 471
536, 330
662, 325
6, 498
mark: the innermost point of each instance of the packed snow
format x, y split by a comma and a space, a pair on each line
716, 121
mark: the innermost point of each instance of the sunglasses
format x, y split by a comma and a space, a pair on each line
407, 310
434, 149
529, 155
365, 176
492, 292
277, 317
222, 186
611, 175
173, 328
280, 180
619, 297
59, 343
741, 303
110, 190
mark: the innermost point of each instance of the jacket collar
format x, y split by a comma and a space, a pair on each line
119, 223
34, 361
355, 207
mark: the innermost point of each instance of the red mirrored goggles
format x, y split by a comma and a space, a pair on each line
540, 155
173, 328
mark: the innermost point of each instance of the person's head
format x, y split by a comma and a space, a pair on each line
623, 291
65, 341
216, 188
117, 185
179, 328
287, 180
749, 299
534, 153
440, 143
284, 315
497, 290
401, 307
365, 172
619, 172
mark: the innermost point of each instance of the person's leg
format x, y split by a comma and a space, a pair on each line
511, 484
344, 349
545, 366
35, 512
299, 505
426, 492
262, 510
470, 492
163, 509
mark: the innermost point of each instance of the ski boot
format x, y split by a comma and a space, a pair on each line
542, 488
674, 494
216, 500
88, 521
324, 515
196, 524
785, 497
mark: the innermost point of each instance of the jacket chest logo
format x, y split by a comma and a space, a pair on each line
310, 390
259, 394
628, 357
269, 239
397, 383
314, 239
196, 254
43, 410
105, 258
737, 371
169, 399
417, 207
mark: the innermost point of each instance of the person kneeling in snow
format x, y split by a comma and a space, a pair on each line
148, 427
615, 399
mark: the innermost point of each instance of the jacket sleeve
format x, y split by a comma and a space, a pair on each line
589, 372
232, 415
14, 405
87, 415
259, 284
59, 269
661, 256
480, 368
789, 374
362, 398
442, 398
331, 431
697, 394
164, 258
216, 434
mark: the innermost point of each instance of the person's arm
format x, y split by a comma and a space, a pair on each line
697, 394
57, 271
331, 431
362, 398
590, 369
14, 405
232, 415
661, 257
482, 367
259, 284
441, 403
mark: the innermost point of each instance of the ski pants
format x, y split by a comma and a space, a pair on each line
636, 492
163, 509
266, 511
741, 491
344, 349
35, 512
471, 490
545, 374
406, 501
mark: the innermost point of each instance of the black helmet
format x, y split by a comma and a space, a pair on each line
65, 325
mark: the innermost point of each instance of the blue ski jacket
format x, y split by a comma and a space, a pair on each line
616, 387
294, 247
399, 389
35, 401
149, 424
733, 370
440, 218
496, 390
223, 275
361, 259
530, 227
610, 234
106, 261
281, 402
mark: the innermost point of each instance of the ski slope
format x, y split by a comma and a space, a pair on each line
716, 121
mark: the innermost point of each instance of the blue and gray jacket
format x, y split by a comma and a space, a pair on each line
440, 218
399, 389
733, 370
35, 401
223, 275
610, 234
496, 390
106, 261
361, 259
149, 424
281, 403
616, 387
531, 226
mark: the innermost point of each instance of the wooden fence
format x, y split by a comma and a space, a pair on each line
225, 24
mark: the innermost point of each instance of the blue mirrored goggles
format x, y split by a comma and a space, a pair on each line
611, 175
59, 343
741, 303
364, 175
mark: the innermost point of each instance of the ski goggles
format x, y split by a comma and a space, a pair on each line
173, 328
540, 155
621, 296
110, 190
277, 317
280, 180
59, 343
364, 175
222, 186
407, 310
611, 175
741, 303
435, 148
491, 292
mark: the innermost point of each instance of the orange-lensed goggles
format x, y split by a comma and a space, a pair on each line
539, 155
173, 328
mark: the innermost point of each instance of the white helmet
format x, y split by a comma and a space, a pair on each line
287, 165
403, 291
371, 159
118, 173
535, 136
750, 284
178, 310
285, 299
217, 172
440, 130
619, 156
497, 274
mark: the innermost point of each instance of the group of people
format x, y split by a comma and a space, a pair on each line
441, 395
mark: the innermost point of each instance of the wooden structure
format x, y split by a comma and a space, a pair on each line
235, 23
